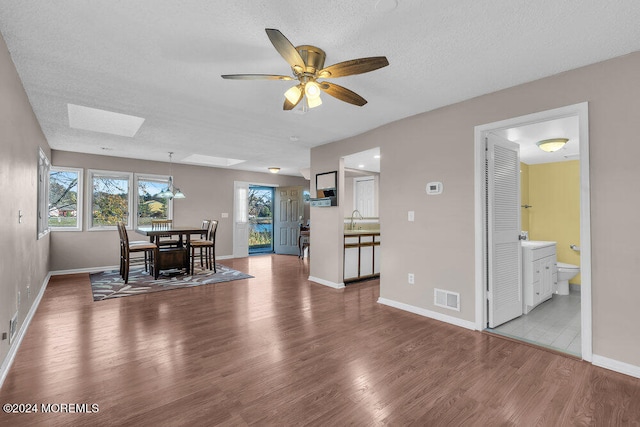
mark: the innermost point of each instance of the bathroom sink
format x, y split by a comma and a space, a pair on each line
536, 243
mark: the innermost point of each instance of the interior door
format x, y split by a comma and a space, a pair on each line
364, 194
288, 209
241, 220
504, 254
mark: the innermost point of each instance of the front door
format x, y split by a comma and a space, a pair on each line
288, 210
504, 290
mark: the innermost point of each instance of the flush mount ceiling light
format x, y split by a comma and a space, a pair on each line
307, 64
551, 145
274, 170
169, 192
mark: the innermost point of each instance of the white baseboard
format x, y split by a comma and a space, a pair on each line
616, 365
326, 282
428, 313
13, 350
85, 270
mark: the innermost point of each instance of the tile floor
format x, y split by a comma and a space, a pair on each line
555, 323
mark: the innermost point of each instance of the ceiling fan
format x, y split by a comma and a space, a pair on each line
307, 63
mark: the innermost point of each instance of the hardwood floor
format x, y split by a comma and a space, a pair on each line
279, 350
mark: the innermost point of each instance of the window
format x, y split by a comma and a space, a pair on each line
43, 193
65, 199
149, 204
110, 199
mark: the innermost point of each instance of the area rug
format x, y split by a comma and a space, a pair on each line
109, 284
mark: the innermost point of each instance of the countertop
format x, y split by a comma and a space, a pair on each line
361, 232
536, 243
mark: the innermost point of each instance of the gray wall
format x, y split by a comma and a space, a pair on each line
209, 193
439, 246
24, 262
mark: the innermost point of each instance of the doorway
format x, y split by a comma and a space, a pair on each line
260, 199
490, 270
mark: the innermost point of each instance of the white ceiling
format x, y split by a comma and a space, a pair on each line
527, 137
162, 61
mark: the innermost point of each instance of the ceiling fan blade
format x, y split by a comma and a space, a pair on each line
354, 66
286, 49
342, 93
288, 105
255, 77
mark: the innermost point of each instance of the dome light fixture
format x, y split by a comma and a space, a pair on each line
551, 145
274, 169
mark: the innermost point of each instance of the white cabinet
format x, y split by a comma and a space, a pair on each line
361, 255
539, 273
351, 255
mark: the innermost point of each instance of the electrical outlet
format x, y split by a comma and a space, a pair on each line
411, 278
28, 293
18, 299
411, 216
224, 215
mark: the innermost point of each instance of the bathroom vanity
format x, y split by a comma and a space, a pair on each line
539, 272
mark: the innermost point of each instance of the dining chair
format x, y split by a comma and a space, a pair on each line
164, 239
206, 247
126, 249
304, 242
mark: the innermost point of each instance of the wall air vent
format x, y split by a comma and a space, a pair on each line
446, 299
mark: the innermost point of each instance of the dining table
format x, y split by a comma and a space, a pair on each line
177, 257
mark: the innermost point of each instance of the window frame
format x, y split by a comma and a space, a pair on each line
150, 177
42, 210
80, 195
91, 174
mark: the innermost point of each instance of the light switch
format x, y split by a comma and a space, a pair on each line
225, 215
411, 216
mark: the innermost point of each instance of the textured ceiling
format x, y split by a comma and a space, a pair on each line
162, 60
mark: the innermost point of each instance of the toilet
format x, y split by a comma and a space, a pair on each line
566, 272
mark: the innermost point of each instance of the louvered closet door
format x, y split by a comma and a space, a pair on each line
503, 230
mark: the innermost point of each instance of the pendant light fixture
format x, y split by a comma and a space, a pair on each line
169, 192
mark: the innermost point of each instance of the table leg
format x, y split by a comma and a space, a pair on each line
188, 254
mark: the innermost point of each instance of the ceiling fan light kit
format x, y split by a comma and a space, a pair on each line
307, 64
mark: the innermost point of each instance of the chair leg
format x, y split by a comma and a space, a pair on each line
125, 275
213, 258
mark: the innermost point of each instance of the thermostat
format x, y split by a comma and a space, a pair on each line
434, 188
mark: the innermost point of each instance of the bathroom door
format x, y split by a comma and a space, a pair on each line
504, 254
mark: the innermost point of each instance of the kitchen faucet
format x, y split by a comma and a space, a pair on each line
352, 217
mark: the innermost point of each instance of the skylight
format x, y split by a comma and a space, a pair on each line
96, 120
199, 159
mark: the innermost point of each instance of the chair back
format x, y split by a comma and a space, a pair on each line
161, 224
124, 237
213, 227
205, 228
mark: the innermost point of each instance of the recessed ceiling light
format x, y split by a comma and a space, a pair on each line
97, 120
293, 138
360, 166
